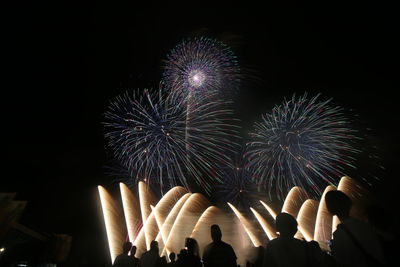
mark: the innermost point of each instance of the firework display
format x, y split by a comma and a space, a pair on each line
200, 67
238, 186
302, 142
147, 133
182, 144
179, 214
186, 131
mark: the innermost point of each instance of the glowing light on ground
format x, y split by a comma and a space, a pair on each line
131, 207
268, 229
269, 209
186, 220
247, 227
146, 199
114, 227
293, 201
323, 224
306, 218
179, 214
169, 221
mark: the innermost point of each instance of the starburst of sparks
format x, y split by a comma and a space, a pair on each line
303, 142
148, 135
200, 67
238, 186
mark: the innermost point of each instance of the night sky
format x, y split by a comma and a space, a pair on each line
62, 63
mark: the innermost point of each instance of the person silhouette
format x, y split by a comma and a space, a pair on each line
191, 258
124, 260
218, 253
150, 258
181, 257
285, 250
260, 257
354, 242
161, 262
172, 259
135, 260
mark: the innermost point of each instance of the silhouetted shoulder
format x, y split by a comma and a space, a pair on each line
219, 254
285, 252
123, 260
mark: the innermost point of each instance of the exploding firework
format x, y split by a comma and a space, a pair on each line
302, 142
237, 186
147, 133
200, 67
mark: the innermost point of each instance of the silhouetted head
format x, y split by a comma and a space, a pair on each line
126, 247
182, 253
133, 250
192, 246
314, 244
338, 203
172, 256
286, 225
260, 253
216, 234
154, 245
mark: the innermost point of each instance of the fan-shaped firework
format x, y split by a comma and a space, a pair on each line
200, 66
302, 142
148, 135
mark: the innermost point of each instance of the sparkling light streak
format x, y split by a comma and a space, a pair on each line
269, 209
186, 220
131, 210
293, 201
323, 224
247, 227
268, 229
306, 218
147, 198
169, 221
112, 220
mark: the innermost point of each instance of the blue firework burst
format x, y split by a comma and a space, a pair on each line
302, 142
237, 186
148, 134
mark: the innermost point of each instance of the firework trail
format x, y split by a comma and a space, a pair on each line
147, 133
302, 142
196, 71
199, 67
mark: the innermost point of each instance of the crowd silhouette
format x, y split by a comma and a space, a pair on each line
355, 243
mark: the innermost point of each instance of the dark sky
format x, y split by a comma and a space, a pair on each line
62, 62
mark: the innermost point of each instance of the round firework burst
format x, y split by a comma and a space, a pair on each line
147, 133
237, 187
302, 142
200, 66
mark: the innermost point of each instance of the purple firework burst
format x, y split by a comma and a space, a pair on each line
199, 67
